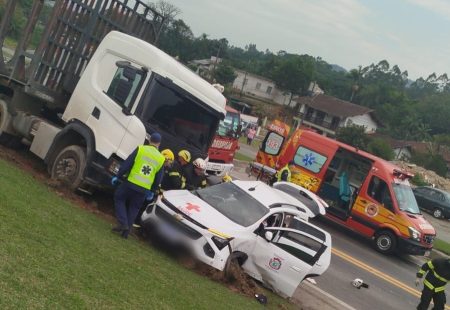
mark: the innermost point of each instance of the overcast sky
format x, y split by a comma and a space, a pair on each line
414, 34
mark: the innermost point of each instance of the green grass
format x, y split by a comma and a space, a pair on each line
55, 255
240, 156
442, 246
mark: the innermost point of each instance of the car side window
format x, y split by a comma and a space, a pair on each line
379, 191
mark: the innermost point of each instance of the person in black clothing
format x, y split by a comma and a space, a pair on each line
198, 179
185, 167
172, 172
438, 274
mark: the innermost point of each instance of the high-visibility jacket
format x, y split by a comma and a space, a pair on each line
438, 274
147, 163
285, 170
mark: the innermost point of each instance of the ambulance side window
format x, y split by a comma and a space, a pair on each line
379, 191
272, 144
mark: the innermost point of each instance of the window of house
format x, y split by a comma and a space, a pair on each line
309, 159
125, 85
258, 85
379, 191
269, 90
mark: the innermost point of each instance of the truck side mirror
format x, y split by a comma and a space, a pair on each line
268, 235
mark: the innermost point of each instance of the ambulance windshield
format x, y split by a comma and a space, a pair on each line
405, 198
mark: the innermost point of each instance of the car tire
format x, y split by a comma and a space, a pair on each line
69, 166
232, 269
385, 242
437, 213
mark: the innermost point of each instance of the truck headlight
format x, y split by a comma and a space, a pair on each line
414, 233
220, 242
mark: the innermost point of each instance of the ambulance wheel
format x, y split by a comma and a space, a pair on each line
69, 165
385, 242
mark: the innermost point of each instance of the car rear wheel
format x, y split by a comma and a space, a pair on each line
385, 242
437, 213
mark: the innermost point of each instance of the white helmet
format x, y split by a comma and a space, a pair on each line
199, 163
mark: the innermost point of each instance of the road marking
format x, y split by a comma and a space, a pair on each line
379, 274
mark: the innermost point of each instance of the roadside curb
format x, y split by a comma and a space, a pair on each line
310, 297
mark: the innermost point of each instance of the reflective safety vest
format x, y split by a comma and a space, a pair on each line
438, 274
147, 163
279, 173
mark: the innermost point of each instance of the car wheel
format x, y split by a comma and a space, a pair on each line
385, 242
437, 213
232, 270
69, 166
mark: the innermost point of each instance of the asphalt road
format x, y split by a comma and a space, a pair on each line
390, 278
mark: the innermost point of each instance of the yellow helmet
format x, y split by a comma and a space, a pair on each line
168, 154
227, 178
185, 155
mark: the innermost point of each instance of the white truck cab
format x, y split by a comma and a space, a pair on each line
264, 229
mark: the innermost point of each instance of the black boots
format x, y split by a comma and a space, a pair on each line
122, 230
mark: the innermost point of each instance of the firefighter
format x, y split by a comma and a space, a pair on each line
185, 168
198, 180
172, 174
438, 273
144, 174
284, 174
227, 178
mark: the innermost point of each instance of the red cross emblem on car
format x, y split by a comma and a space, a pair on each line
190, 207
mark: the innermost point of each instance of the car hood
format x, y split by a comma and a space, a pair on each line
198, 210
421, 223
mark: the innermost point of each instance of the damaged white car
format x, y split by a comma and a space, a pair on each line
262, 228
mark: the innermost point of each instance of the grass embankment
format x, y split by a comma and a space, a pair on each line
240, 156
55, 255
441, 246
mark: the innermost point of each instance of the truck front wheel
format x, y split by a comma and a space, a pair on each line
69, 166
385, 242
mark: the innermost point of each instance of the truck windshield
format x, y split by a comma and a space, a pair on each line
405, 198
234, 203
176, 112
229, 125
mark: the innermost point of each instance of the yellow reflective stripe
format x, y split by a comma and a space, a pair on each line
439, 277
430, 264
428, 284
439, 289
421, 271
172, 174
219, 234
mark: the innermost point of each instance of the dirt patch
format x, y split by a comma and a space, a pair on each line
98, 203
427, 175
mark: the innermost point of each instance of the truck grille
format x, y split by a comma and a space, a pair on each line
178, 225
428, 238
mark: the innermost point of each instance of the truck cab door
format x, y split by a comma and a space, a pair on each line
283, 257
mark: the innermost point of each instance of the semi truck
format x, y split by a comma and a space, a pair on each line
95, 86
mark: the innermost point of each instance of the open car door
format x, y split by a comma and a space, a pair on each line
283, 257
309, 199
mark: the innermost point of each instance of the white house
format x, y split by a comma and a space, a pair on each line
258, 86
327, 114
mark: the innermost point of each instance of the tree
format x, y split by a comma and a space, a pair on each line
293, 73
224, 74
353, 135
167, 10
380, 148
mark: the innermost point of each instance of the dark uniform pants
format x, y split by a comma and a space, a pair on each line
126, 214
438, 299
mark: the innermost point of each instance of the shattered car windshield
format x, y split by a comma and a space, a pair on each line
234, 203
